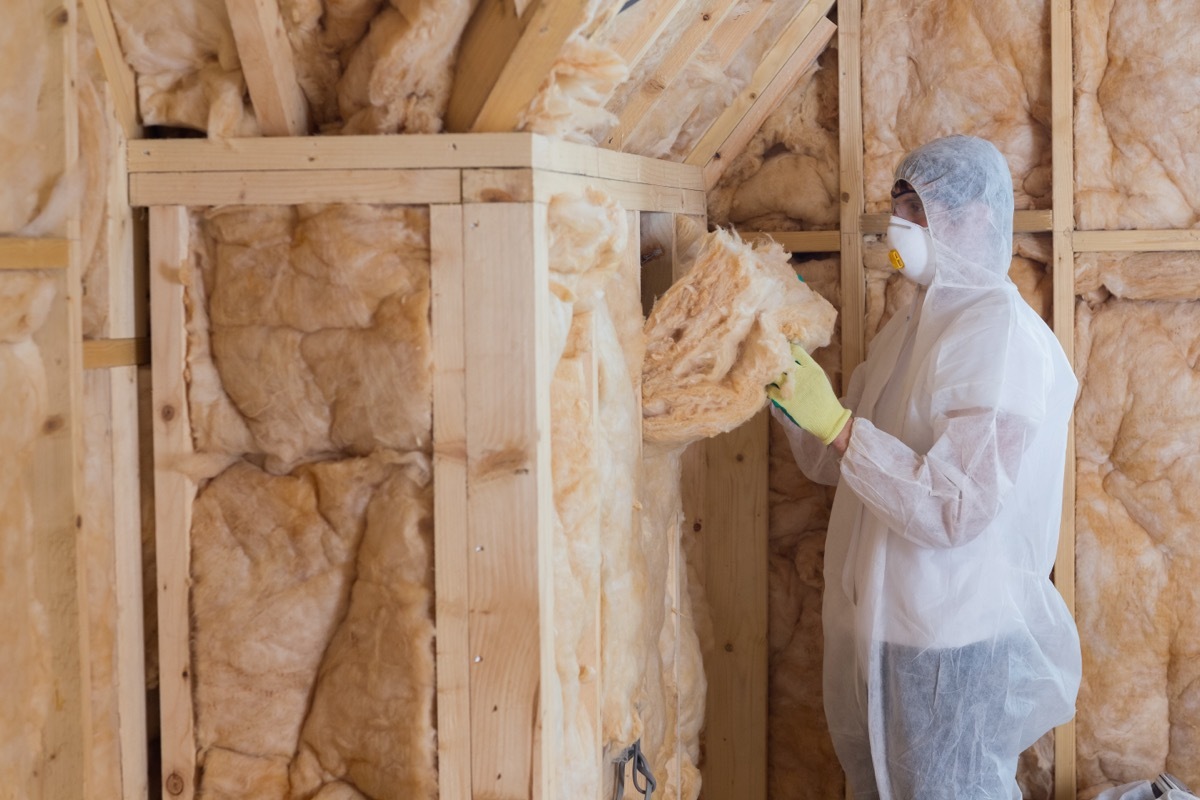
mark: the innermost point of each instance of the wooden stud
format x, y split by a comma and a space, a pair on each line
18, 253
1062, 97
509, 501
117, 72
450, 503
850, 148
268, 67
174, 493
289, 187
797, 47
698, 28
503, 58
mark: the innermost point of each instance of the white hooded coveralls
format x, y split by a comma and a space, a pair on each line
948, 650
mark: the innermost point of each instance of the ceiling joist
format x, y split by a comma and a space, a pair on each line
503, 58
700, 26
797, 47
268, 67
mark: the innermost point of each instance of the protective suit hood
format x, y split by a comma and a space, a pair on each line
966, 188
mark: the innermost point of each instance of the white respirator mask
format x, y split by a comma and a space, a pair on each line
912, 250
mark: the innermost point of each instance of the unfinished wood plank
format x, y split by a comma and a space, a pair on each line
117, 72
850, 149
18, 253
174, 493
503, 58
1062, 100
736, 30
797, 47
509, 500
1134, 241
735, 545
406, 151
631, 196
289, 187
1027, 221
699, 26
581, 159
633, 49
268, 67
497, 185
799, 241
110, 353
450, 503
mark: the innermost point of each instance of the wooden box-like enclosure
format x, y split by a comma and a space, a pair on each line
493, 503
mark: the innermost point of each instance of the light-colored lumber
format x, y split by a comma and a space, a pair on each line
633, 48
735, 545
450, 503
173, 496
110, 353
736, 30
699, 27
1062, 99
287, 187
18, 253
503, 59
850, 148
525, 185
1134, 241
268, 67
509, 500
797, 47
1027, 221
117, 72
799, 241
580, 159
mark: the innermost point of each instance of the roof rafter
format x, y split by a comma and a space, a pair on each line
268, 67
504, 57
805, 37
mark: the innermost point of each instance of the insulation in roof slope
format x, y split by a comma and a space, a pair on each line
316, 318
720, 334
25, 299
1136, 526
957, 66
1136, 118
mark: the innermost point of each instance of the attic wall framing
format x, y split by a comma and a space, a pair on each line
488, 250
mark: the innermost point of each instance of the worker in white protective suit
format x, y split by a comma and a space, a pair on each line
948, 651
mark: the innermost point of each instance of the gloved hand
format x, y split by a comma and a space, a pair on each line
804, 394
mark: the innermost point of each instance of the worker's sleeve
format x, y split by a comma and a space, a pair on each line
818, 462
948, 496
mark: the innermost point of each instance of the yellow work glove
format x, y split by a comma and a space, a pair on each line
804, 394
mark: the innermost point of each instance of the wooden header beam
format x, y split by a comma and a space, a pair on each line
503, 58
289, 187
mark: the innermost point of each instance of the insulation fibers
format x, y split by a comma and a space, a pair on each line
25, 299
317, 319
977, 67
570, 104
1136, 119
720, 334
273, 563
1137, 507
371, 718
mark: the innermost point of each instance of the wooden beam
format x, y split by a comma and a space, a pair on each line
289, 187
737, 29
535, 185
117, 72
1135, 241
173, 496
581, 159
850, 147
797, 47
18, 253
699, 26
510, 502
799, 241
632, 49
1062, 102
735, 546
268, 67
110, 353
1035, 221
504, 57
450, 503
